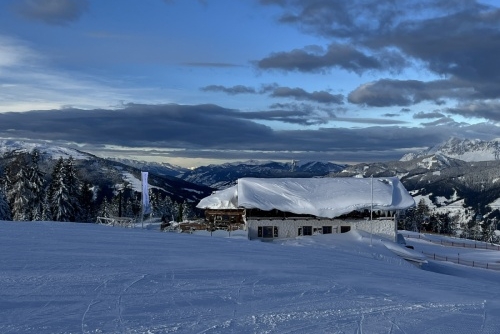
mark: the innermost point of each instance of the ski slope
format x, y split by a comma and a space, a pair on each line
86, 278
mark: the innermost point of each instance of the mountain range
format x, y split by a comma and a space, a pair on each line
105, 174
224, 175
460, 175
462, 149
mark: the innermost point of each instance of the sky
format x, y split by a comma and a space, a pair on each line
195, 82
86, 278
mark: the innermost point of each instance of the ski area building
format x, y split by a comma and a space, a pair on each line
291, 207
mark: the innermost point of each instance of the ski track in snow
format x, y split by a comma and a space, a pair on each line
166, 283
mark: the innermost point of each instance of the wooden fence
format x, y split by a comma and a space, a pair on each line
116, 221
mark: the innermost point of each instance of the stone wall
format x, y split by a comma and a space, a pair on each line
386, 228
289, 228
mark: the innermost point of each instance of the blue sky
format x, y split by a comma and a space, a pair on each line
195, 82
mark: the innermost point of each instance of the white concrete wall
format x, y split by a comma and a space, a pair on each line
288, 228
385, 228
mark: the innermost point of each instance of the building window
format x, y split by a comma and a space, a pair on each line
307, 230
327, 230
267, 231
344, 229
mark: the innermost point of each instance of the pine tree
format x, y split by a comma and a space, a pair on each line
5, 213
46, 212
153, 202
73, 186
104, 210
135, 204
36, 186
165, 208
86, 201
19, 193
60, 205
177, 212
415, 217
128, 208
114, 206
187, 211
6, 184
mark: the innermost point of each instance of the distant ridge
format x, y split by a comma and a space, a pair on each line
462, 149
222, 176
51, 151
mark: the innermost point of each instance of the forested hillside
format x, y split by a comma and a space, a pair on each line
38, 186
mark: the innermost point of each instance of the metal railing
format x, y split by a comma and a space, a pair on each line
458, 260
479, 245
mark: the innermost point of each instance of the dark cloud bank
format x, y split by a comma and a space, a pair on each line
211, 131
457, 42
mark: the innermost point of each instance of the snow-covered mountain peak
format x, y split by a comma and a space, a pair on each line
436, 161
54, 152
462, 149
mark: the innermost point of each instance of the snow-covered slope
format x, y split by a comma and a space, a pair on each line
462, 149
86, 278
154, 167
52, 151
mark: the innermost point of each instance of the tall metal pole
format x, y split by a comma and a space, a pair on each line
142, 203
371, 213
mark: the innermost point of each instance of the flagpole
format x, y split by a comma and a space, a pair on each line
371, 212
142, 202
145, 206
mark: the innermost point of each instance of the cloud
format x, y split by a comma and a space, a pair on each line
300, 117
443, 121
337, 55
461, 43
371, 121
217, 132
392, 92
134, 125
238, 89
300, 94
384, 93
55, 12
277, 91
424, 115
455, 40
30, 81
489, 110
14, 53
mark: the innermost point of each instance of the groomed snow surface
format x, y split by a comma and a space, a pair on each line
86, 278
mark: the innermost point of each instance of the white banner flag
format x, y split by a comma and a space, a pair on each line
146, 206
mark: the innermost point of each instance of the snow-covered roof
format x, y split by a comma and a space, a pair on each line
321, 197
221, 199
